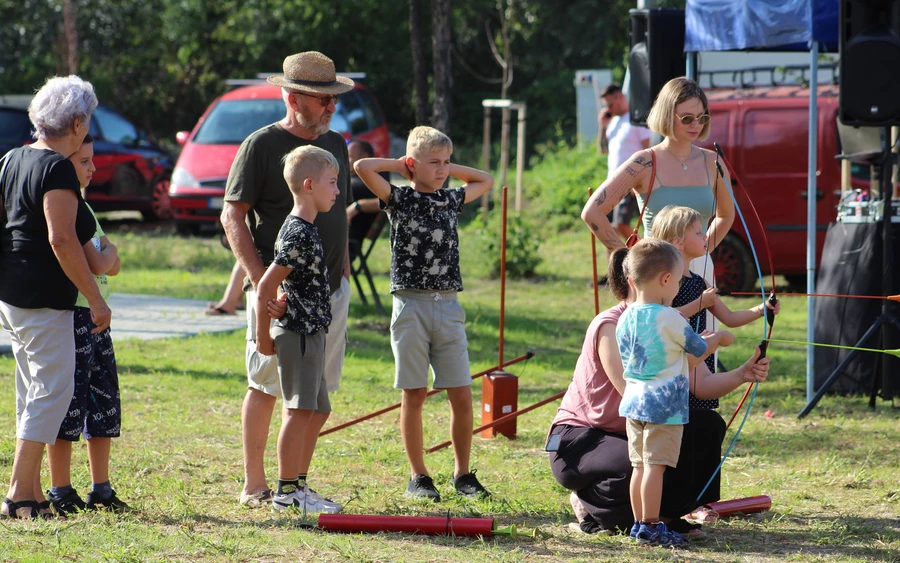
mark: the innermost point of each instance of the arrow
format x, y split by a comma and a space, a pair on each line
895, 352
889, 297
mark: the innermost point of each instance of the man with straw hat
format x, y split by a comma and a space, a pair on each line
257, 200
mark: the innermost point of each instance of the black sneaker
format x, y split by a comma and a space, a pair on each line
113, 503
422, 486
68, 504
467, 485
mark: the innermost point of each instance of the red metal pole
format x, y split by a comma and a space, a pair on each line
748, 505
341, 426
502, 275
426, 525
594, 265
501, 420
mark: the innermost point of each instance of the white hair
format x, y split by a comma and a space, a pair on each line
59, 102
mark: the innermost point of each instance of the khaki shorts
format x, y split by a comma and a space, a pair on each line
428, 328
262, 371
653, 444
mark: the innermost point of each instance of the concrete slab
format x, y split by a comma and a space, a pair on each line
148, 317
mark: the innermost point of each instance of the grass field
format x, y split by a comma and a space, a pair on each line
833, 476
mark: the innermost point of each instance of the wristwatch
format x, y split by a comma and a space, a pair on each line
357, 207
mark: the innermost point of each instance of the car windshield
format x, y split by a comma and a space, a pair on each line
15, 128
231, 121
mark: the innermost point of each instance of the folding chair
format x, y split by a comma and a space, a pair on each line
359, 254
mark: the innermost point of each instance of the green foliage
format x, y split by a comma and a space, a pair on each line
522, 245
557, 184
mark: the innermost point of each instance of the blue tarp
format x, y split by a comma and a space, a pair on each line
735, 25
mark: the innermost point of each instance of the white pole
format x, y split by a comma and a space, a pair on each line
811, 218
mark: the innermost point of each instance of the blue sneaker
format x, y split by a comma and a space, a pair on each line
634, 529
659, 535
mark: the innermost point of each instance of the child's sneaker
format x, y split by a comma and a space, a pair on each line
467, 485
300, 500
113, 503
634, 529
422, 486
257, 499
70, 503
336, 506
660, 535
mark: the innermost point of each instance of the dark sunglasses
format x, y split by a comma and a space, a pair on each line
688, 119
324, 101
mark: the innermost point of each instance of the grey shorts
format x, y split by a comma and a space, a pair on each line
301, 369
625, 210
428, 328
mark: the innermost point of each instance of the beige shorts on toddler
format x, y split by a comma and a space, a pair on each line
428, 328
653, 444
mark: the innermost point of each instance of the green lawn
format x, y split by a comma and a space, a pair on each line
833, 476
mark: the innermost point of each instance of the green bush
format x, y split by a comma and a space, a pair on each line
522, 244
557, 184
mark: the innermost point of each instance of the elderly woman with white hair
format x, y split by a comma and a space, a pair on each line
45, 223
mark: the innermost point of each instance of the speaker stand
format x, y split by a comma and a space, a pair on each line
887, 321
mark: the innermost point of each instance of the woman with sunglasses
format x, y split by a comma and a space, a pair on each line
685, 174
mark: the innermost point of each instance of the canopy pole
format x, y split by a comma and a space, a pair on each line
811, 202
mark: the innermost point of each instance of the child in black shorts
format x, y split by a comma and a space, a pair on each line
95, 410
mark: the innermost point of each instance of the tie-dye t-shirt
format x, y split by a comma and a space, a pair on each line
424, 241
654, 341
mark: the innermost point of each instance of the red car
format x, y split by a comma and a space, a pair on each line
198, 181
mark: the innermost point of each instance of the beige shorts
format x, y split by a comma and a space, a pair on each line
428, 328
653, 444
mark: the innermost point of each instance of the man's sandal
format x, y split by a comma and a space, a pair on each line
13, 509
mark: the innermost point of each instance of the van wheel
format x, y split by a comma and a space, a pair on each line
733, 265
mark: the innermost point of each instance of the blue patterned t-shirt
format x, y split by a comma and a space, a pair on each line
654, 341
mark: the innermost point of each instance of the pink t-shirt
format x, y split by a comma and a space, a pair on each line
591, 400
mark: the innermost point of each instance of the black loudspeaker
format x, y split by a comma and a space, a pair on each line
870, 62
656, 56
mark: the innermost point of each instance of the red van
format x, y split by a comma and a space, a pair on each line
197, 188
764, 134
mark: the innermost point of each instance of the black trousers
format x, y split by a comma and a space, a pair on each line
595, 465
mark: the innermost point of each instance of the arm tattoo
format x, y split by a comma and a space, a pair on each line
632, 172
645, 162
601, 197
594, 227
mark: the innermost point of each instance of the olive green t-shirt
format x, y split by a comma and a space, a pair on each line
257, 178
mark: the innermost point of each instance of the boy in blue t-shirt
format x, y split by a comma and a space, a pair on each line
298, 337
654, 342
428, 324
95, 409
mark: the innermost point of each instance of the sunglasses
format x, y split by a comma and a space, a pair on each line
324, 101
688, 119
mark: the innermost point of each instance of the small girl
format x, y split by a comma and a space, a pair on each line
683, 227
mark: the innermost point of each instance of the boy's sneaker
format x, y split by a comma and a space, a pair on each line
634, 529
322, 500
659, 535
467, 485
257, 499
113, 503
70, 503
422, 486
301, 501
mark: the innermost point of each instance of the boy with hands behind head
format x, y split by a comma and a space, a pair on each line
298, 337
427, 325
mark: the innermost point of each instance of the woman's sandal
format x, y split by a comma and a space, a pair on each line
13, 509
703, 515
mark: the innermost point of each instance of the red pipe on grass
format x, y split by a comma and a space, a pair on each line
424, 525
747, 505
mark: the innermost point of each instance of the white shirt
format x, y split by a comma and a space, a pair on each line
623, 140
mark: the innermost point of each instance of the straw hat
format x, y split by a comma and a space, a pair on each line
311, 72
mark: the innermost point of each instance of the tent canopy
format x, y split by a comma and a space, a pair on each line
736, 25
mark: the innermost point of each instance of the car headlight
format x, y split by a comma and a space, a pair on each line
181, 178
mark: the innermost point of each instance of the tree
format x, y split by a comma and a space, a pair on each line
443, 69
418, 60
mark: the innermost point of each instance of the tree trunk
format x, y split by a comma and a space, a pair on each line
418, 61
71, 33
443, 72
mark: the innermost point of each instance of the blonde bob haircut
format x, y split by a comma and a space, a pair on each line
649, 258
676, 91
307, 162
673, 221
424, 139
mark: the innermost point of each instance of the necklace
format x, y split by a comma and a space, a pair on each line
680, 161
